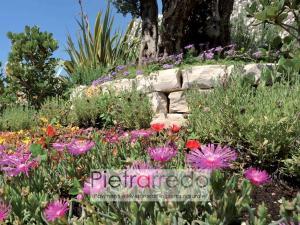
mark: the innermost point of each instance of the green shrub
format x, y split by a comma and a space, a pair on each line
56, 109
264, 120
85, 76
93, 111
17, 118
31, 67
130, 110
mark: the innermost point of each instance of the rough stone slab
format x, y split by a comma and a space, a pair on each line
204, 77
178, 102
78, 92
255, 70
118, 85
170, 119
161, 81
159, 102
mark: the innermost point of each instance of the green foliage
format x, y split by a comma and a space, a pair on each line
31, 67
284, 14
56, 110
85, 76
101, 48
128, 6
290, 210
130, 110
17, 118
250, 38
242, 115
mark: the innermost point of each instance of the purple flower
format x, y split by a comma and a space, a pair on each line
59, 146
18, 163
121, 67
230, 52
167, 66
78, 147
101, 80
93, 186
257, 54
136, 134
139, 170
5, 210
126, 73
163, 154
219, 49
139, 72
113, 74
256, 176
56, 210
211, 157
189, 46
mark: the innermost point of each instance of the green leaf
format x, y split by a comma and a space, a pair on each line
38, 151
76, 187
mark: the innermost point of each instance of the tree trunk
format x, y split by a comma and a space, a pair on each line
195, 22
149, 16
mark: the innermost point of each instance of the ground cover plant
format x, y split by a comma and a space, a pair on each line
244, 134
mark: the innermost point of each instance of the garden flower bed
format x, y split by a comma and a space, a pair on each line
48, 176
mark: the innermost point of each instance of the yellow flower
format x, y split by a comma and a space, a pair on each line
20, 132
26, 140
2, 140
44, 120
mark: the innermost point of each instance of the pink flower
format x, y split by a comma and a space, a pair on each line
56, 209
4, 210
163, 154
256, 176
18, 163
78, 147
136, 134
211, 157
93, 186
59, 146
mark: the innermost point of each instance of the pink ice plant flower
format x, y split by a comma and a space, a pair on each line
136, 134
60, 146
256, 176
78, 147
56, 210
5, 210
163, 154
138, 171
93, 186
17, 163
211, 157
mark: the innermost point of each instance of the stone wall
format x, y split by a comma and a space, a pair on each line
166, 88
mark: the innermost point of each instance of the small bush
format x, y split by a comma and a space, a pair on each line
17, 118
56, 109
264, 120
130, 110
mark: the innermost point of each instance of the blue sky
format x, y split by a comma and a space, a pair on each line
55, 16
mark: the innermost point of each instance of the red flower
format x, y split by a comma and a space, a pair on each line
175, 128
193, 144
50, 131
158, 127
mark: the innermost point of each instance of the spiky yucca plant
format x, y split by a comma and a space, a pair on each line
101, 47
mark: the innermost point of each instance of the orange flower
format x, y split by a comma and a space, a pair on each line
175, 128
158, 127
50, 131
192, 144
42, 142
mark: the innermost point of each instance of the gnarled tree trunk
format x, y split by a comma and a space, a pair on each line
195, 22
149, 42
